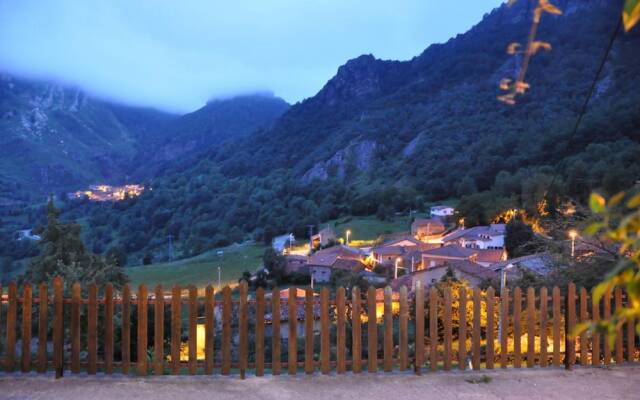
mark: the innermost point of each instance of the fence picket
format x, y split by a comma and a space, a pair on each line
556, 326
595, 339
126, 329
226, 331
356, 331
92, 330
607, 315
108, 328
276, 364
570, 321
543, 327
42, 327
26, 327
388, 331
243, 327
619, 348
584, 316
403, 334
209, 327
462, 330
142, 329
448, 329
372, 330
517, 327
176, 328
504, 327
58, 327
325, 340
192, 340
12, 316
631, 339
259, 332
75, 328
308, 332
292, 351
419, 321
433, 329
490, 339
341, 365
158, 332
477, 329
531, 327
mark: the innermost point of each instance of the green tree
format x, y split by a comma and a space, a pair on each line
517, 238
275, 264
62, 253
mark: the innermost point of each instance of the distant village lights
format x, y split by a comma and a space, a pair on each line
108, 193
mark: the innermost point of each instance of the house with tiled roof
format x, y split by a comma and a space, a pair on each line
390, 251
322, 263
442, 211
478, 237
466, 270
427, 229
540, 264
438, 256
323, 238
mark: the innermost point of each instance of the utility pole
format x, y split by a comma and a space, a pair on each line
219, 278
170, 237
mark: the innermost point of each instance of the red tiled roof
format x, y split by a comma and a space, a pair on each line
451, 251
490, 255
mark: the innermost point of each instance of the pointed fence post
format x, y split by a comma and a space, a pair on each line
108, 328
26, 327
58, 327
419, 332
142, 330
388, 331
356, 331
43, 310
570, 315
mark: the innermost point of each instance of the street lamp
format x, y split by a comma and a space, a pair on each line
395, 269
348, 232
573, 234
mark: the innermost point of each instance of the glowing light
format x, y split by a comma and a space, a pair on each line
109, 193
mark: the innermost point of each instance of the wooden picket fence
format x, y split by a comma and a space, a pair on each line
417, 335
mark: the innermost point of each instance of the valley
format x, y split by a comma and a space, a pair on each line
381, 140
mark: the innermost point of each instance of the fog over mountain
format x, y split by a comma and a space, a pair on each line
175, 56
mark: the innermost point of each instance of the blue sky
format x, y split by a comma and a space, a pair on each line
175, 55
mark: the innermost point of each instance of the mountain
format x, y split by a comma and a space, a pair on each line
389, 136
58, 138
55, 136
184, 138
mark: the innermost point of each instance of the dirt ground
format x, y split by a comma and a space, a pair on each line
587, 383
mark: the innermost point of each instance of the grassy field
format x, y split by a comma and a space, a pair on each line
202, 269
369, 228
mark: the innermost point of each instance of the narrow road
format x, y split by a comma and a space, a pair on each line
582, 383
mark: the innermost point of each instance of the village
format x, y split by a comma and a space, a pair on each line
436, 246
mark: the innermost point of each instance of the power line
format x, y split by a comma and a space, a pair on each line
583, 109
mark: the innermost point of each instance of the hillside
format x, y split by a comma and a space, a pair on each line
184, 138
57, 138
389, 136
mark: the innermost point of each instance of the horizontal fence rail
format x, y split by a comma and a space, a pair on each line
182, 331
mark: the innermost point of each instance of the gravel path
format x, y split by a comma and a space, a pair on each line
582, 383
